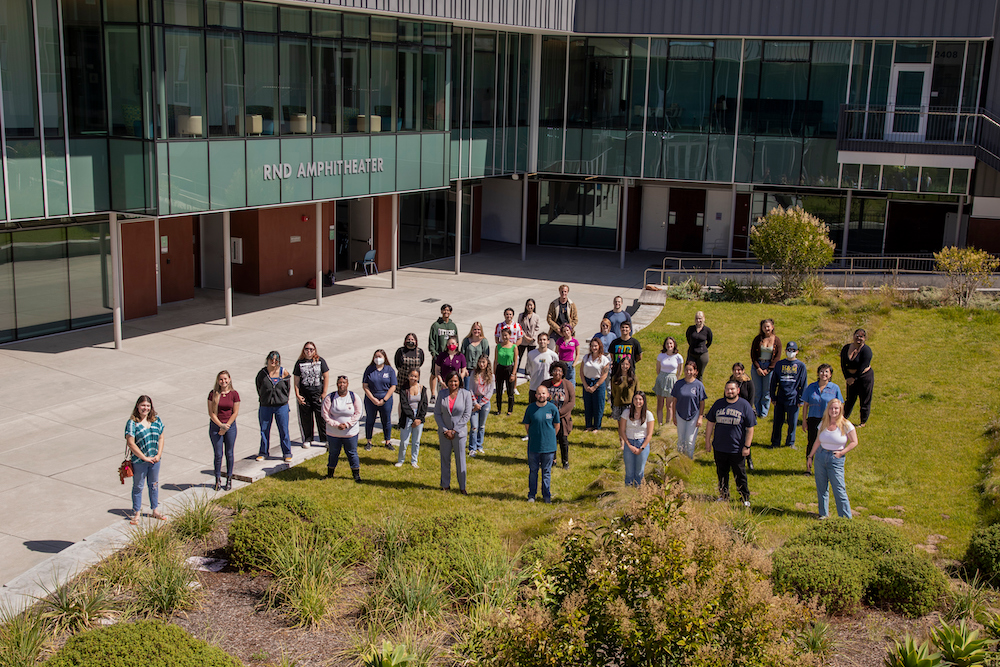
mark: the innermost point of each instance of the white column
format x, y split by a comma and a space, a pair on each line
458, 227
116, 278
732, 224
624, 220
958, 225
847, 224
227, 268
156, 236
395, 238
319, 253
524, 218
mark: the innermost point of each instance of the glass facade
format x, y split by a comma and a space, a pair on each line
578, 214
427, 225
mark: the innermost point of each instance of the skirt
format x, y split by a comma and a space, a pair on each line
664, 383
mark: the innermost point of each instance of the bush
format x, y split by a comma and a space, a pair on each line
23, 635
138, 645
445, 543
304, 508
983, 553
742, 291
252, 534
794, 243
907, 583
166, 586
347, 534
656, 585
689, 290
967, 269
306, 577
198, 518
76, 605
865, 541
817, 571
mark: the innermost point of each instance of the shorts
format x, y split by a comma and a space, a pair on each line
664, 383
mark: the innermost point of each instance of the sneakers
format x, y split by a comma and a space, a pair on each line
565, 466
516, 392
306, 444
531, 500
259, 458
368, 446
288, 459
524, 439
414, 465
746, 503
472, 453
389, 445
399, 464
547, 501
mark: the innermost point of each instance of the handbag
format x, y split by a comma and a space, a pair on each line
125, 469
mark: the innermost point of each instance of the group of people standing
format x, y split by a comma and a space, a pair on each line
470, 377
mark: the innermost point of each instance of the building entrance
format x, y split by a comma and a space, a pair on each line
685, 220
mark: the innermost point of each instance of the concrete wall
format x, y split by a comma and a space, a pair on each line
653, 228
502, 209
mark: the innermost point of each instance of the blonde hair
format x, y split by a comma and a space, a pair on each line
216, 392
841, 420
482, 331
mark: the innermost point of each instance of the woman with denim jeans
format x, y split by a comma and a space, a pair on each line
342, 412
765, 352
482, 385
594, 372
223, 408
274, 385
379, 385
144, 436
837, 436
412, 412
689, 408
635, 430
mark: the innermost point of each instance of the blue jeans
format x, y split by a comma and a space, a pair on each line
761, 393
412, 433
477, 428
570, 372
538, 461
222, 444
593, 404
829, 471
784, 414
147, 473
279, 415
384, 413
687, 431
350, 447
635, 464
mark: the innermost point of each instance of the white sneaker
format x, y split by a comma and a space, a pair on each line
414, 465
531, 500
524, 439
516, 392
305, 445
399, 464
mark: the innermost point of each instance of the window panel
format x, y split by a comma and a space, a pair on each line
224, 13
781, 103
41, 287
725, 86
859, 72
326, 24
827, 88
296, 106
326, 86
121, 11
752, 52
8, 322
184, 83
970, 91
607, 73
484, 96
354, 75
225, 85
914, 52
356, 26
295, 20
85, 73
260, 18
383, 30
182, 12
50, 66
384, 113
261, 84
656, 120
688, 97
432, 74
17, 70
553, 81
89, 274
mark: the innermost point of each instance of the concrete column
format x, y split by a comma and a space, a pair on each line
958, 225
319, 253
524, 218
395, 238
732, 225
227, 268
624, 220
116, 278
847, 223
458, 227
156, 236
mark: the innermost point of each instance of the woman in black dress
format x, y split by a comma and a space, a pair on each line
856, 365
699, 339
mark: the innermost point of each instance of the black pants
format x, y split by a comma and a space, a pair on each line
735, 462
312, 410
505, 379
812, 426
701, 360
522, 355
862, 388
563, 439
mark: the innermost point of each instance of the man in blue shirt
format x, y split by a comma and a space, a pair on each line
788, 385
541, 422
729, 432
617, 315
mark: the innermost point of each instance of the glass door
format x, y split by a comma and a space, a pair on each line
909, 96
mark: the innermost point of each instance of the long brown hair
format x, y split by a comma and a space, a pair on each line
315, 352
216, 392
136, 417
740, 372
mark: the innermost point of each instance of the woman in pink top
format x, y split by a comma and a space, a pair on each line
568, 348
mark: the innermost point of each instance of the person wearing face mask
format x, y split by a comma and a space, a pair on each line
379, 384
788, 386
409, 357
451, 360
442, 330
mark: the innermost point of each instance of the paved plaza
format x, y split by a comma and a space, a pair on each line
63, 413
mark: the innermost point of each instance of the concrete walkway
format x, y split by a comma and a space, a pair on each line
67, 397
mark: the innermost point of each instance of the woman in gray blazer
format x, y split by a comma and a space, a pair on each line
452, 411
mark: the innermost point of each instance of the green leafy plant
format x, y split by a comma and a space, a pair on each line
970, 601
415, 591
967, 269
742, 291
811, 571
166, 587
306, 578
910, 654
983, 553
794, 243
815, 638
908, 583
198, 517
389, 655
253, 534
23, 636
865, 541
135, 644
960, 645
74, 606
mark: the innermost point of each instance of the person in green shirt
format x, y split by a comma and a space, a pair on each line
541, 423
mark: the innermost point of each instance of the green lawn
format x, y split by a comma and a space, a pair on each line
922, 449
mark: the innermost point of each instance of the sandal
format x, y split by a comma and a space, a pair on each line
134, 519
157, 515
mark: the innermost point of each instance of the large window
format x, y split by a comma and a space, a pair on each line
225, 84
261, 87
184, 82
296, 93
578, 214
427, 225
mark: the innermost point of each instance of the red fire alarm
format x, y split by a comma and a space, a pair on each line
305, 218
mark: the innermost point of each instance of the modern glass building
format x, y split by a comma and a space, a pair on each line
156, 147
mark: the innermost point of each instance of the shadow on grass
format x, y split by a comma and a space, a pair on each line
399, 484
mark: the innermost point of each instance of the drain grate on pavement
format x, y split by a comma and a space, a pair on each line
431, 300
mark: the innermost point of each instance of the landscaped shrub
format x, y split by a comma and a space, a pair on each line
983, 553
866, 541
252, 534
307, 577
351, 540
907, 583
658, 585
139, 645
818, 571
446, 542
23, 635
304, 508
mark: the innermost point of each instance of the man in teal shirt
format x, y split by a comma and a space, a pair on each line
541, 422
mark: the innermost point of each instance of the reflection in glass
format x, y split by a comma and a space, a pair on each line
260, 18
483, 99
295, 20
354, 74
261, 86
296, 115
17, 70
41, 290
726, 85
427, 224
433, 84
8, 323
934, 179
89, 249
182, 12
326, 86
125, 81
49, 67
224, 13
870, 176
901, 179
408, 88
225, 86
827, 87
185, 83
383, 95
850, 176
867, 228
960, 181
578, 214
84, 63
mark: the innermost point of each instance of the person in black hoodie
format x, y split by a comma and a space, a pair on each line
274, 385
412, 413
788, 385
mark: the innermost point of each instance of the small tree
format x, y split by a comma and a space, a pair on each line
967, 269
794, 243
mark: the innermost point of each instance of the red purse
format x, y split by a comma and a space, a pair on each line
125, 469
